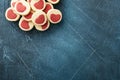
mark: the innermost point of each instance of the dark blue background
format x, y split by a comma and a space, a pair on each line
84, 46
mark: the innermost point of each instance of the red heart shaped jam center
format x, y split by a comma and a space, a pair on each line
40, 19
25, 24
28, 16
20, 7
55, 17
11, 14
45, 25
39, 4
47, 8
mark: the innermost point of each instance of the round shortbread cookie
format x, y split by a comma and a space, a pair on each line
37, 4
11, 15
39, 18
13, 2
54, 16
43, 27
48, 7
54, 1
22, 7
25, 25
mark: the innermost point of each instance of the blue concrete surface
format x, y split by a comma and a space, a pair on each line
84, 46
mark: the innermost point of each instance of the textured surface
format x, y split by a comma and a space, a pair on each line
84, 46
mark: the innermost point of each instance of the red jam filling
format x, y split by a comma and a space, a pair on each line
39, 5
11, 14
47, 8
40, 19
25, 24
20, 7
28, 16
55, 17
45, 25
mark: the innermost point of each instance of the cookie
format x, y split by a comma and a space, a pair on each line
22, 7
48, 7
13, 2
43, 27
11, 15
28, 17
25, 25
39, 18
53, 1
54, 16
37, 5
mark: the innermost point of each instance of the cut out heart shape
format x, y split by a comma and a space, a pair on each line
40, 19
25, 24
20, 7
39, 4
45, 26
28, 17
55, 17
11, 14
48, 7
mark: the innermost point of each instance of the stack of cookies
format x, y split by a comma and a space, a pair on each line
34, 13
